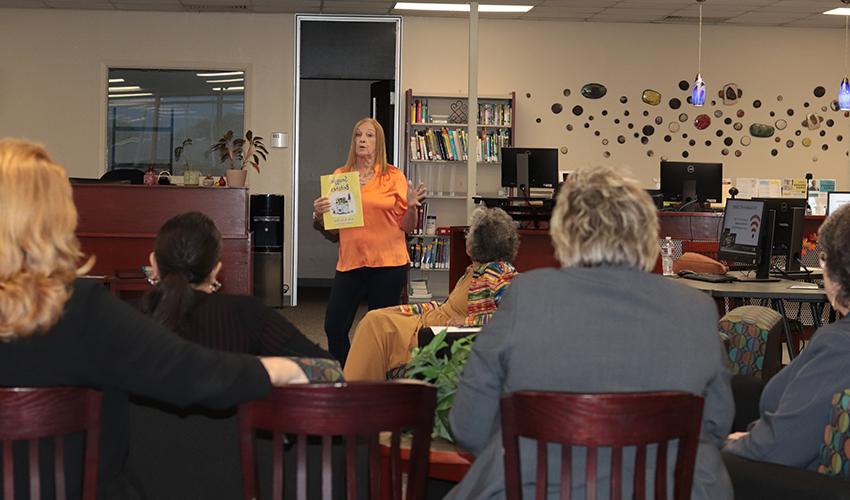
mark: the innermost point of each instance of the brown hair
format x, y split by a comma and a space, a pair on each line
602, 217
380, 147
39, 252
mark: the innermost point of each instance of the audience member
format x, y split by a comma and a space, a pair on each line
384, 338
58, 330
794, 405
373, 258
600, 323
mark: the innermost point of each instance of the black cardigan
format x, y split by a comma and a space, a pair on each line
104, 343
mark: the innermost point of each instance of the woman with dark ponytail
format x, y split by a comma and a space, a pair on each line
186, 263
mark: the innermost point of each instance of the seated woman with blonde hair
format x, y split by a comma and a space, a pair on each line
384, 338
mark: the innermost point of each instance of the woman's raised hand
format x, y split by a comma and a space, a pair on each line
415, 196
321, 205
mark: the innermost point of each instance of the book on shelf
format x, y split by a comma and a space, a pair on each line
419, 290
452, 144
429, 253
489, 113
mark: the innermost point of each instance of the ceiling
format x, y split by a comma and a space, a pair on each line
789, 13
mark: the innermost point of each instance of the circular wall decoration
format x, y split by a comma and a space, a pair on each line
606, 154
569, 127
604, 142
567, 92
685, 154
806, 142
724, 152
684, 85
739, 113
648, 130
624, 99
773, 152
557, 108
539, 120
564, 149
780, 124
578, 110
738, 126
675, 103
756, 104
667, 138
738, 153
789, 144
779, 98
650, 153
528, 95
621, 139
728, 141
790, 112
718, 113
673, 127
819, 91
746, 140
659, 120
683, 117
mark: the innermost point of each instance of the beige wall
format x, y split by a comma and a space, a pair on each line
53, 92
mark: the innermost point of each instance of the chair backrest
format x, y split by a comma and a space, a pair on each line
754, 338
594, 421
707, 248
358, 412
30, 414
835, 449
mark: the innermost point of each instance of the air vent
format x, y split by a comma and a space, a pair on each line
201, 7
693, 20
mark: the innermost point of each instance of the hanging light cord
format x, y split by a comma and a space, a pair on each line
699, 46
846, 20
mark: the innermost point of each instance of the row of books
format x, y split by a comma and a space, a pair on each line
422, 219
453, 145
498, 115
429, 253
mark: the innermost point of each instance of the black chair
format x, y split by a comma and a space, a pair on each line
753, 480
134, 176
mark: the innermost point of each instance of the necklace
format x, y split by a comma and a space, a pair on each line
365, 177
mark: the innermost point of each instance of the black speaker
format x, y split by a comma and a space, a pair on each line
267, 221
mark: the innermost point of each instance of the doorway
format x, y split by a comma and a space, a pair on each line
347, 67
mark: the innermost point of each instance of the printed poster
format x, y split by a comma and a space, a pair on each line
343, 190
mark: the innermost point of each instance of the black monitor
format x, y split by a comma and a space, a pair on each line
746, 235
526, 168
787, 229
683, 181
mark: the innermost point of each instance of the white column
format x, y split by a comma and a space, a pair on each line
472, 128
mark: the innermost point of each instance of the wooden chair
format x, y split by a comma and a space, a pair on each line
30, 414
598, 421
358, 412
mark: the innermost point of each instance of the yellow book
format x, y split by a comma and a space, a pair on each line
346, 205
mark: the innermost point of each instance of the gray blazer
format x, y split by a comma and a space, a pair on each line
604, 329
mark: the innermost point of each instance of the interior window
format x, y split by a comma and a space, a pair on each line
169, 118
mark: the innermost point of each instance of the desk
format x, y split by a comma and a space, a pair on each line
776, 292
445, 461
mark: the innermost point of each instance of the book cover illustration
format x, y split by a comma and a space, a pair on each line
343, 190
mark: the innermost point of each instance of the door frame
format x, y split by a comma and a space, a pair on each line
296, 105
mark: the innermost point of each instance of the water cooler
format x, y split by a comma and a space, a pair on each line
267, 226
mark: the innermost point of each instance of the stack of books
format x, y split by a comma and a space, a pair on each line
419, 291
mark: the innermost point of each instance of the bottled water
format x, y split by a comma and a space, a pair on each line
667, 248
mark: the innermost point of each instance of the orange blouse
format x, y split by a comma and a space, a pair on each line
380, 242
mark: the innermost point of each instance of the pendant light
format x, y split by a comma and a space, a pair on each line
698, 92
844, 87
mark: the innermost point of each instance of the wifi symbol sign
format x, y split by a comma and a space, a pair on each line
755, 221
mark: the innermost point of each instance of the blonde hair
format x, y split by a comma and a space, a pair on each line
604, 218
380, 147
39, 252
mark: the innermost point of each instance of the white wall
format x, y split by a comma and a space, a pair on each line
53, 80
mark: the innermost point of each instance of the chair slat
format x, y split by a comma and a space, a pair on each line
59, 467
35, 476
8, 473
640, 473
661, 471
395, 464
277, 465
374, 467
616, 472
566, 471
350, 466
590, 482
327, 468
542, 470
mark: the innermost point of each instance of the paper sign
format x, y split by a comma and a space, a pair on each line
346, 206
794, 188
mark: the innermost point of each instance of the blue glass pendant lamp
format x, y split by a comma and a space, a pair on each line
698, 90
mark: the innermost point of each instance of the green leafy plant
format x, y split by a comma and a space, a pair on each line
427, 364
247, 151
179, 150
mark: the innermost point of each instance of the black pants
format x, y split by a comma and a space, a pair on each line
382, 287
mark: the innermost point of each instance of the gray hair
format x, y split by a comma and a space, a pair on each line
833, 238
602, 217
492, 236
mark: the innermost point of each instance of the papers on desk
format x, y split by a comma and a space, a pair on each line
804, 286
455, 329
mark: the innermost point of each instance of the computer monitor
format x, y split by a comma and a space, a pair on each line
683, 181
835, 199
525, 168
787, 229
747, 235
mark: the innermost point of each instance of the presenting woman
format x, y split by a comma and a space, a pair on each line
384, 338
599, 323
58, 330
373, 258
794, 406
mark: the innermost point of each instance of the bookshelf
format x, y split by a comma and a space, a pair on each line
436, 153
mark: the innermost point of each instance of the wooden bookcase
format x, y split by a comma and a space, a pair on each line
435, 153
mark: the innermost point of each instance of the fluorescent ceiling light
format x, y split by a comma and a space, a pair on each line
461, 7
140, 94
227, 80
841, 11
116, 80
227, 89
225, 73
128, 88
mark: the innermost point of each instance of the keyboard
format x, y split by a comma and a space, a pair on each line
710, 278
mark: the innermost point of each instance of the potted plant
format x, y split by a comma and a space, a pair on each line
241, 152
190, 176
438, 364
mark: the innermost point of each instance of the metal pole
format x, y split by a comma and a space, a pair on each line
472, 121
